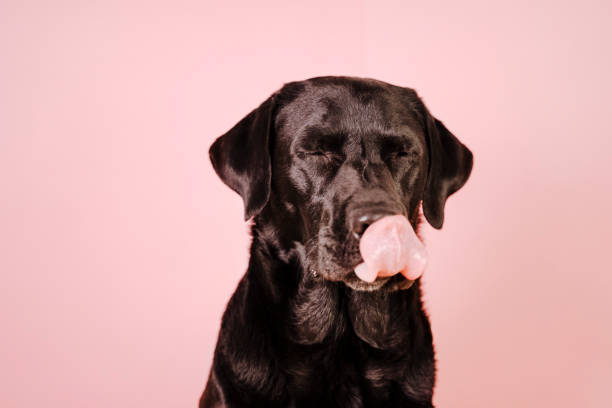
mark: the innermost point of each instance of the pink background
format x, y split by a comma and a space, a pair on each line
119, 247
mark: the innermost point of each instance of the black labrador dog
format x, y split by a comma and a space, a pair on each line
315, 164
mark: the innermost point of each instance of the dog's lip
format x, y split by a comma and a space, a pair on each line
352, 281
398, 281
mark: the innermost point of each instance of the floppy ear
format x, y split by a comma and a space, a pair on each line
241, 157
450, 165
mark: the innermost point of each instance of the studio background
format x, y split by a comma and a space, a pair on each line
119, 247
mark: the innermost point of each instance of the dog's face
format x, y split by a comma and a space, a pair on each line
321, 159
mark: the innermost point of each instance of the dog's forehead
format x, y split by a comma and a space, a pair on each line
348, 106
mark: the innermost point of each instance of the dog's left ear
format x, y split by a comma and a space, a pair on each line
450, 165
241, 157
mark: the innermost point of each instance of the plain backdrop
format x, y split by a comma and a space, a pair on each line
119, 247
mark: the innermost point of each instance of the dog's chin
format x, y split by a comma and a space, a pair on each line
350, 279
390, 284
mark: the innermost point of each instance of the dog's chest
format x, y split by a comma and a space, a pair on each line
337, 375
351, 353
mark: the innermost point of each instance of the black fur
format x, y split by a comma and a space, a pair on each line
302, 330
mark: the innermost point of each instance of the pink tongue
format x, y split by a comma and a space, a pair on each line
390, 246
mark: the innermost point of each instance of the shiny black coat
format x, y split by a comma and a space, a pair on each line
311, 163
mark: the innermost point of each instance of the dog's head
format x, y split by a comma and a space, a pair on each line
321, 159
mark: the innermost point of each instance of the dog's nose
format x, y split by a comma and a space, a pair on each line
361, 220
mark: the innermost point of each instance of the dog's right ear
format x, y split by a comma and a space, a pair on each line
241, 157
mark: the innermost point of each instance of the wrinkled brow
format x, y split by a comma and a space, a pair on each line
315, 138
393, 142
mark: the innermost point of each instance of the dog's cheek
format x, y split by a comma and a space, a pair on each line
300, 180
413, 190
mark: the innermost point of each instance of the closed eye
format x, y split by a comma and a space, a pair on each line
399, 154
321, 155
402, 157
